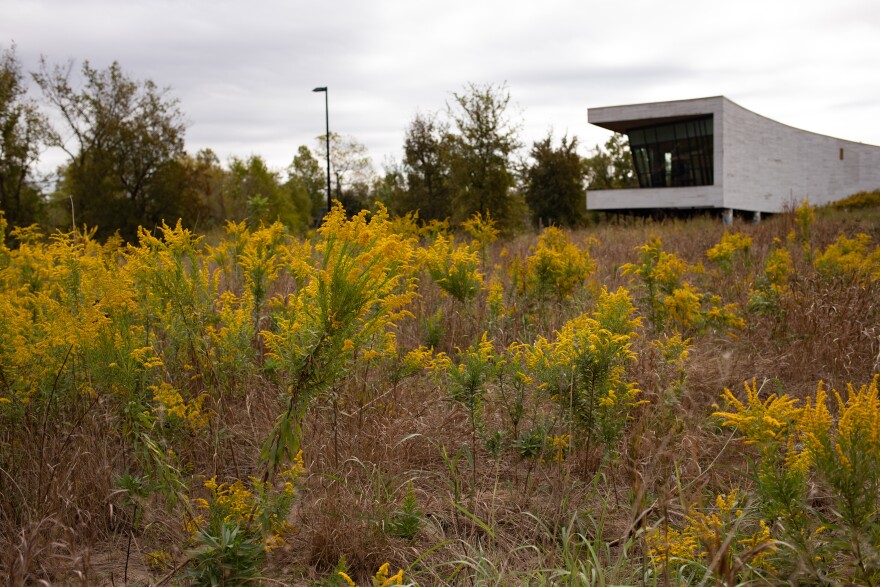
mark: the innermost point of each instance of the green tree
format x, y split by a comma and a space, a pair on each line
254, 192
204, 188
611, 167
23, 131
482, 150
306, 173
427, 167
554, 183
391, 189
119, 135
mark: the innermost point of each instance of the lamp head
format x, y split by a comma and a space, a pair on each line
321, 89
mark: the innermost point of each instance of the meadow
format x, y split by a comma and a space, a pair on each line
390, 403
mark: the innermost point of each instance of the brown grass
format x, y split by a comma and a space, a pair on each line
62, 520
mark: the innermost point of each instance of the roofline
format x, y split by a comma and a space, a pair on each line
621, 125
624, 117
664, 102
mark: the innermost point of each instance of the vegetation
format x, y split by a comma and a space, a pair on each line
464, 409
23, 132
123, 139
127, 168
555, 189
467, 404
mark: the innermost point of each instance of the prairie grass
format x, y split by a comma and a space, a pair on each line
542, 410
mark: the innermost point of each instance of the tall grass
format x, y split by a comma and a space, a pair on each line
534, 411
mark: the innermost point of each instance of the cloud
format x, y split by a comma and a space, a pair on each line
244, 72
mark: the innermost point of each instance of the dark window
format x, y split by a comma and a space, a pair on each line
673, 154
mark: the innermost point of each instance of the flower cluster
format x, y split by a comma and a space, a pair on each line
673, 301
850, 257
585, 368
722, 537
808, 445
453, 267
556, 266
170, 404
732, 246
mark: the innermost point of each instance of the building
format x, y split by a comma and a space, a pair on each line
712, 153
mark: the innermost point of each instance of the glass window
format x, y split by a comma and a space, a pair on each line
673, 154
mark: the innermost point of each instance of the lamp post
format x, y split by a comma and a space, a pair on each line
327, 137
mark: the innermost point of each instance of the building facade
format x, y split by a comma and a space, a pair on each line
713, 153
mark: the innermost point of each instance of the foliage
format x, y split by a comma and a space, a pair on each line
731, 247
674, 302
805, 217
556, 267
126, 136
799, 447
254, 193
858, 201
454, 268
611, 167
851, 258
204, 187
382, 579
554, 184
481, 151
350, 301
408, 519
238, 525
674, 351
482, 230
23, 131
131, 374
427, 167
585, 368
468, 374
305, 174
772, 285
351, 170
726, 543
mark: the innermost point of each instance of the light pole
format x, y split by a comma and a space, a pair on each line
327, 137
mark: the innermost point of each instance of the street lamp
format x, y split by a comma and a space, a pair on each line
327, 137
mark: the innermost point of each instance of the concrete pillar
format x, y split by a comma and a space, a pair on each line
727, 216
756, 217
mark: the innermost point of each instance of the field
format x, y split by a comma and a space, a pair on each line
635, 403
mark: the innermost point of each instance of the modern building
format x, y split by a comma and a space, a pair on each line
712, 153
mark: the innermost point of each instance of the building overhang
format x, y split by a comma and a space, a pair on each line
622, 118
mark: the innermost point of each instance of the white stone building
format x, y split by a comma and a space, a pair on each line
713, 153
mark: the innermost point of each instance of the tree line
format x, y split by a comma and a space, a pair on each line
126, 165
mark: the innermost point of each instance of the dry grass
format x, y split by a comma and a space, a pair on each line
64, 521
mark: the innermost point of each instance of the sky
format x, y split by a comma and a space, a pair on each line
244, 71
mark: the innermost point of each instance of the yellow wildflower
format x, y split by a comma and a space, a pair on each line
759, 421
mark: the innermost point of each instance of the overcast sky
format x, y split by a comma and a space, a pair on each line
244, 71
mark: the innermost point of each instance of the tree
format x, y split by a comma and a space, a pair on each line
391, 189
305, 173
554, 183
352, 171
253, 191
122, 134
427, 168
611, 168
481, 154
23, 131
206, 181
